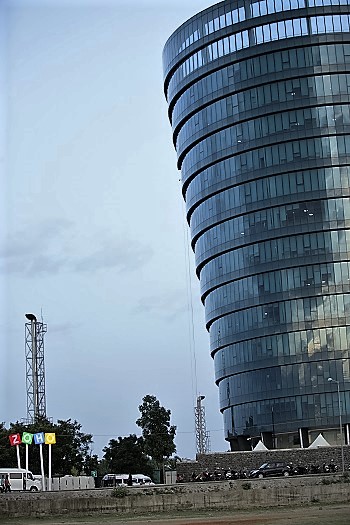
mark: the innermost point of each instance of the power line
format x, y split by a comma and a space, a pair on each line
202, 435
192, 342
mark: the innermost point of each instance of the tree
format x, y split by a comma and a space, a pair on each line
157, 433
171, 463
126, 455
91, 463
7, 456
74, 449
71, 453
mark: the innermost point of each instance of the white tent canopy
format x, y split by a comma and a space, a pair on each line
260, 446
320, 441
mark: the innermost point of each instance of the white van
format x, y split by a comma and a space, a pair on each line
21, 479
141, 479
117, 480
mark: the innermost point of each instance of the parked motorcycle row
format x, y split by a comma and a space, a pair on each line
220, 475
285, 469
303, 470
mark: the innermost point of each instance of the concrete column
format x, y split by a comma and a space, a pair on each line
301, 438
267, 439
304, 437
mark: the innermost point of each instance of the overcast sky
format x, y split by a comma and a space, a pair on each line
92, 226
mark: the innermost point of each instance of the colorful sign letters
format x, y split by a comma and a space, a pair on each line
40, 438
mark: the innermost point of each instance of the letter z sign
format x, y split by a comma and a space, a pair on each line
15, 439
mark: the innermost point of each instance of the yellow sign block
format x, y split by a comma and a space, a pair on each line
50, 438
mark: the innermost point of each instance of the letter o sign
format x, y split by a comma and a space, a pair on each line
27, 438
50, 438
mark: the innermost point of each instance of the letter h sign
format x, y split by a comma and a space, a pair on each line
39, 438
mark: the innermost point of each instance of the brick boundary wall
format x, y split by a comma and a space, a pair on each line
250, 459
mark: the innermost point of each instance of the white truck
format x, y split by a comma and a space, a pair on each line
20, 479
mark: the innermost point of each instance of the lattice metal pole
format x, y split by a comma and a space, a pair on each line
35, 368
202, 436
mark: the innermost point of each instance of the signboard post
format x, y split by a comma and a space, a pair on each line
27, 439
50, 439
39, 439
15, 440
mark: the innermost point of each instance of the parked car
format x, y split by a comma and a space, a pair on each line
271, 469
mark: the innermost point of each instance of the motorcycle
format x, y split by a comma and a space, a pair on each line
315, 469
243, 474
232, 474
333, 467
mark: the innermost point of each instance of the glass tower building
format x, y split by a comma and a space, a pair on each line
258, 95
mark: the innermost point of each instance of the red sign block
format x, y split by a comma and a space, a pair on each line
15, 439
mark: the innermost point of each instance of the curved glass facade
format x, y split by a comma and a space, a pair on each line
258, 95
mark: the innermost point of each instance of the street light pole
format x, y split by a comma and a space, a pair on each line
340, 424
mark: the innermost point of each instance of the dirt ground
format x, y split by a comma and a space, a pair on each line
311, 515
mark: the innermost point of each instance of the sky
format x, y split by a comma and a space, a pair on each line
93, 235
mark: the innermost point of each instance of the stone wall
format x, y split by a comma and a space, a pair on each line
234, 495
250, 460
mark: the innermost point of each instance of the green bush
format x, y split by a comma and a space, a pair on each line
246, 485
326, 481
119, 492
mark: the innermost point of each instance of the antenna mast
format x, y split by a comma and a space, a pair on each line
35, 369
202, 436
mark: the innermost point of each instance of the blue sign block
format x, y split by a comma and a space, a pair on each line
39, 438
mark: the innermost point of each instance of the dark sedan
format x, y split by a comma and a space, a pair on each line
271, 469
